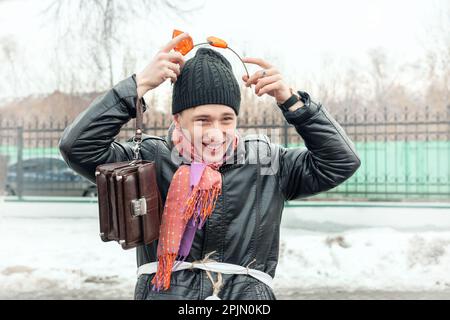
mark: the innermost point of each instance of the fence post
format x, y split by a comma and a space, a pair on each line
19, 169
448, 149
448, 112
286, 133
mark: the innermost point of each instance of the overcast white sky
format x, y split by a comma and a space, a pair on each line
301, 34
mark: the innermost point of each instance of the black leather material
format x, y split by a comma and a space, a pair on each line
245, 224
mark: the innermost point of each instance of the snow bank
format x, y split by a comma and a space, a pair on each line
365, 259
54, 251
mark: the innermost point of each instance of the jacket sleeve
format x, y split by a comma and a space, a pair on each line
328, 160
89, 140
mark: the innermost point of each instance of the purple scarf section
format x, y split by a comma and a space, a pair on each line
196, 171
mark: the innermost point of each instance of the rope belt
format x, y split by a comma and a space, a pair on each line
214, 266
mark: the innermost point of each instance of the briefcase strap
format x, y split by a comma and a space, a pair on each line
138, 124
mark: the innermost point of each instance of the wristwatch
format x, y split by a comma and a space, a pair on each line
303, 96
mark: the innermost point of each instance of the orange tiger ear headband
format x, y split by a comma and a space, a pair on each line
186, 45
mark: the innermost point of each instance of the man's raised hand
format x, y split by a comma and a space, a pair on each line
165, 64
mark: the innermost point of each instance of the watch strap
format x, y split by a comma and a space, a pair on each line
293, 99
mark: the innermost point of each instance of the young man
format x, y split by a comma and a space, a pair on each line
224, 194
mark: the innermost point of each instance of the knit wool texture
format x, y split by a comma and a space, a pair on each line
207, 78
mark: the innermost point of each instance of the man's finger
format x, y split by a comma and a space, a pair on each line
266, 81
174, 67
257, 75
270, 87
176, 57
258, 61
173, 43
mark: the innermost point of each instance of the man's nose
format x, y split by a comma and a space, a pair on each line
216, 124
215, 135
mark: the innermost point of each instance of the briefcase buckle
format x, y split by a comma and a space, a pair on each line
139, 207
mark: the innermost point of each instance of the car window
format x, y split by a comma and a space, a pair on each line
42, 165
31, 165
50, 165
59, 165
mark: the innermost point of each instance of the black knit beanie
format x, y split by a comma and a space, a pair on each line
207, 78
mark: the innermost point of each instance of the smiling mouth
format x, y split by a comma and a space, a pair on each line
213, 146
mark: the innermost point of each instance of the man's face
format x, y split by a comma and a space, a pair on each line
210, 127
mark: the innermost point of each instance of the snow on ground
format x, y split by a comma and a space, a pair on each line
377, 259
52, 250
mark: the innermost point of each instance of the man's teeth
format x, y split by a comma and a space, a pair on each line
214, 146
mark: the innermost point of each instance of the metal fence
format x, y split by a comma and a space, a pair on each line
405, 155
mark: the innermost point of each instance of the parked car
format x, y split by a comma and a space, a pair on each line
48, 176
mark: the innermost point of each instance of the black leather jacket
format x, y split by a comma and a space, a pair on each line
245, 225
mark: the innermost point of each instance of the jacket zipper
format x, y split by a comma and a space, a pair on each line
222, 170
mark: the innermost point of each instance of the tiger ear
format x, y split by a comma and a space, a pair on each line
185, 45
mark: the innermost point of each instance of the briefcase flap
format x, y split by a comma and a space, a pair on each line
141, 211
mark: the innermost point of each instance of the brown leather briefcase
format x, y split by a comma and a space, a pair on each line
129, 200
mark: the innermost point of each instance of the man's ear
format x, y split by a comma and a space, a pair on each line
176, 119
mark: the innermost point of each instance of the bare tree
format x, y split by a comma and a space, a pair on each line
98, 27
386, 77
8, 53
437, 63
